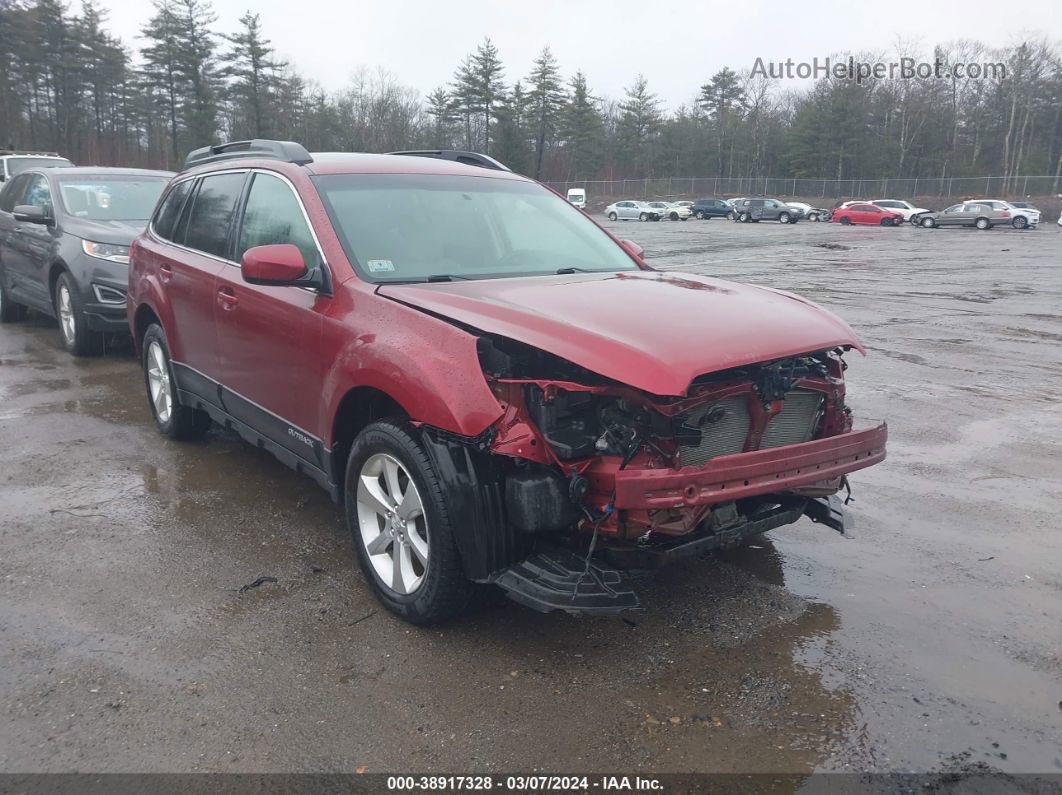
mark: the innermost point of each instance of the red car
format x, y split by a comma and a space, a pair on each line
494, 388
860, 213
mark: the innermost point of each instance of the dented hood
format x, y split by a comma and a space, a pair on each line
651, 330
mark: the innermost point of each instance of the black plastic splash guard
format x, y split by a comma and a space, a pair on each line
557, 579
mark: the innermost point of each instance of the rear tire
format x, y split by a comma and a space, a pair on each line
699, 215
397, 512
10, 312
77, 338
674, 216
171, 418
983, 223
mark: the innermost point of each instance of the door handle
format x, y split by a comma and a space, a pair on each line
227, 298
165, 271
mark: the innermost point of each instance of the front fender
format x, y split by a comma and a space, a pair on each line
428, 366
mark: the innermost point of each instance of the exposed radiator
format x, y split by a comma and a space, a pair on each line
729, 432
797, 420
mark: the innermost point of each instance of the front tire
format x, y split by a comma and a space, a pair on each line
171, 418
643, 217
744, 218
1020, 222
928, 223
846, 221
983, 223
612, 216
73, 325
784, 218
398, 515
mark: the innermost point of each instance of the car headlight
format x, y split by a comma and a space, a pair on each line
107, 251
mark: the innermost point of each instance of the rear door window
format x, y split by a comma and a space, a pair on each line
210, 219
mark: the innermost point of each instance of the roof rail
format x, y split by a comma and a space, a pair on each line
28, 152
468, 158
286, 151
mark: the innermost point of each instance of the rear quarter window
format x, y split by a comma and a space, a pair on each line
170, 210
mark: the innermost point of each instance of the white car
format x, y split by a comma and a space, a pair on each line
1021, 217
577, 196
673, 211
13, 162
629, 210
904, 208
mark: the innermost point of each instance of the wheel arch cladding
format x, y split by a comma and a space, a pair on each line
142, 320
359, 407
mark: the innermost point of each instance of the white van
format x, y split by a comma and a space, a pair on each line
577, 196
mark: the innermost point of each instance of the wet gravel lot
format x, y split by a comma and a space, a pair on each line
929, 640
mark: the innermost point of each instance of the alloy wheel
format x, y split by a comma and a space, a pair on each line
66, 315
392, 524
158, 374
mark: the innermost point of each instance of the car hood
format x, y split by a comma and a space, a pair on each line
653, 331
120, 233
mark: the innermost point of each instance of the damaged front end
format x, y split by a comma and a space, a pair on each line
585, 475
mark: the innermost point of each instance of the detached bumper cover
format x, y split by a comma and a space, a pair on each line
734, 477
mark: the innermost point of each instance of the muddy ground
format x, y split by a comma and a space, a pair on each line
930, 640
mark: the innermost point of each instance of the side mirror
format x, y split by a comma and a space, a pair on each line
30, 213
633, 248
277, 264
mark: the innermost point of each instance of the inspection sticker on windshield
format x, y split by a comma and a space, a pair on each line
379, 265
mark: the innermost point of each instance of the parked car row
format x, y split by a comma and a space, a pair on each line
495, 389
980, 213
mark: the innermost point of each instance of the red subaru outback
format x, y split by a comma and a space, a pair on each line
495, 388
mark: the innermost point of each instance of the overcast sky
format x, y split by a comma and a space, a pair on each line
676, 44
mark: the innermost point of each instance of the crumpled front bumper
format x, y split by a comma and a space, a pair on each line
733, 477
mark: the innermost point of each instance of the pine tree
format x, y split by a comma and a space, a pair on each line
583, 129
162, 68
253, 65
639, 123
489, 86
546, 101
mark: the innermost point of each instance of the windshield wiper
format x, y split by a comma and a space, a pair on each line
571, 269
446, 277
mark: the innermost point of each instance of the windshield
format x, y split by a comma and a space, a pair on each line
16, 165
111, 198
411, 227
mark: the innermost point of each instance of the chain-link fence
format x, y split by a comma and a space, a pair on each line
664, 187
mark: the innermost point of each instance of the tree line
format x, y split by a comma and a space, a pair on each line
69, 85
